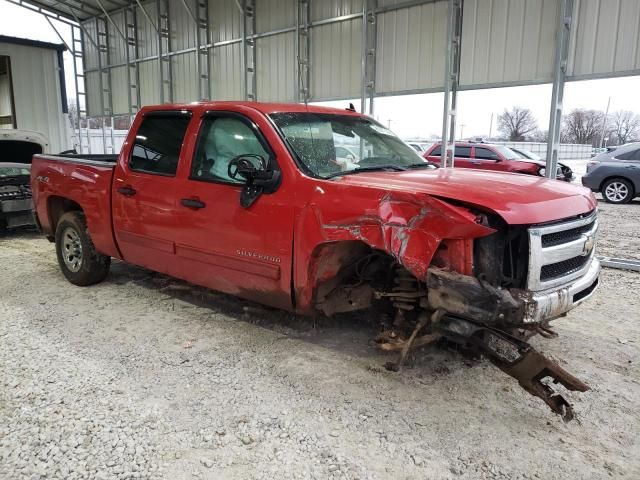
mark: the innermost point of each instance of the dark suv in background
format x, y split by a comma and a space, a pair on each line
487, 156
615, 174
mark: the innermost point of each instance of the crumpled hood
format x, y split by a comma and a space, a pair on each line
518, 199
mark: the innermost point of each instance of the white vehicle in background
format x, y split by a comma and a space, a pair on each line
419, 147
17, 147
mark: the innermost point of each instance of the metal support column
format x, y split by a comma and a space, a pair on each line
75, 49
249, 49
106, 97
451, 79
369, 37
204, 72
133, 73
302, 51
563, 33
164, 47
201, 22
131, 54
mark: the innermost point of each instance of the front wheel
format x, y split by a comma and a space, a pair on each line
617, 190
79, 261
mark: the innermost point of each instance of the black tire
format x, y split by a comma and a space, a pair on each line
79, 261
617, 190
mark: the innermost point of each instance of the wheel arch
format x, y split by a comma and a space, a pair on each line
58, 206
621, 177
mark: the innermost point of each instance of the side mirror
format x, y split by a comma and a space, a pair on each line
258, 179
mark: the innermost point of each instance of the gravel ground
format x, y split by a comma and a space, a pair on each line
619, 234
146, 377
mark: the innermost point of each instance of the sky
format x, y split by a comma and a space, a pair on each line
411, 116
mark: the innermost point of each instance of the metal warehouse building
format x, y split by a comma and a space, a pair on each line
32, 90
132, 53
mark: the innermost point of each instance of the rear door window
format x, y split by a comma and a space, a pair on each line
486, 154
632, 155
463, 152
158, 143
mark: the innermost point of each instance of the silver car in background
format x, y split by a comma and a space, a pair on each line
615, 174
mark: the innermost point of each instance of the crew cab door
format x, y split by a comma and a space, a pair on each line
144, 190
487, 159
223, 245
462, 157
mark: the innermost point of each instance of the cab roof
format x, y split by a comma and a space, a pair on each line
266, 108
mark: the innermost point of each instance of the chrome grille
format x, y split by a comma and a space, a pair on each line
560, 252
566, 267
565, 236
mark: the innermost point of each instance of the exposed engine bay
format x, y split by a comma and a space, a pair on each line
15, 200
475, 296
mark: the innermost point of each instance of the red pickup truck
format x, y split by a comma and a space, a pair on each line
251, 199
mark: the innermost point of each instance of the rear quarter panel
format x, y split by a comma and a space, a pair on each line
87, 185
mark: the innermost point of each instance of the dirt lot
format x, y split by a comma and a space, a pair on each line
146, 377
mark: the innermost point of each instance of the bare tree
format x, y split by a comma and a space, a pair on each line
625, 126
539, 136
582, 126
516, 123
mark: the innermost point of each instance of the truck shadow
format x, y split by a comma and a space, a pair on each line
26, 233
351, 334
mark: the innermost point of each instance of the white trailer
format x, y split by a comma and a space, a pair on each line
32, 91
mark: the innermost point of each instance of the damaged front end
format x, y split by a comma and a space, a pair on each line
486, 294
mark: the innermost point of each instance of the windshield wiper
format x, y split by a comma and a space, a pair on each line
422, 165
377, 168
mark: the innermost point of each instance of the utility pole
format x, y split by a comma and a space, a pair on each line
604, 123
491, 126
462, 125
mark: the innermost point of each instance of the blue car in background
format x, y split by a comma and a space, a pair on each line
615, 174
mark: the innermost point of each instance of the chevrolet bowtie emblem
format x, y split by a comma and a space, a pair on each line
589, 243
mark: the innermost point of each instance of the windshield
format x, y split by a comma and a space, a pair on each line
13, 171
329, 145
529, 154
506, 152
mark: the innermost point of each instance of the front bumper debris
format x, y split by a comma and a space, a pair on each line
546, 305
517, 359
471, 298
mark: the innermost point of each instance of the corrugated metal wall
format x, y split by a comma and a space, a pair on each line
147, 36
505, 42
336, 60
410, 47
273, 15
508, 41
606, 38
227, 78
276, 69
37, 94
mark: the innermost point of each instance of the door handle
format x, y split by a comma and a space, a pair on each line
127, 191
192, 203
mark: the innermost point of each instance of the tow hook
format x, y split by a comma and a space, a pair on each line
517, 359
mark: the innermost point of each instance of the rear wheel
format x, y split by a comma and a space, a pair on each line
617, 190
79, 261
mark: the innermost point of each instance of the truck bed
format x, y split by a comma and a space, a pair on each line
83, 181
106, 160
